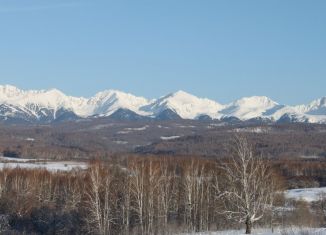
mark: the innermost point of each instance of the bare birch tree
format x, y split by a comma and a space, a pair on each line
246, 193
137, 186
99, 199
166, 192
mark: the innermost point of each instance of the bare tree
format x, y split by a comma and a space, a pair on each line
137, 184
99, 198
193, 184
246, 193
167, 192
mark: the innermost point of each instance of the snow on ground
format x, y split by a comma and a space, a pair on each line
170, 137
129, 129
307, 194
252, 130
137, 128
212, 125
123, 132
279, 231
121, 142
25, 163
101, 126
165, 127
182, 126
12, 159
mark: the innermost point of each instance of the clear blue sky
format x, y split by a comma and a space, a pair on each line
218, 49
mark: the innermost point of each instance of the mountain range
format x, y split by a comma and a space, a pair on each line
47, 106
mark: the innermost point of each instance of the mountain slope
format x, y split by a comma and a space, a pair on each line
249, 107
316, 107
185, 105
107, 102
46, 106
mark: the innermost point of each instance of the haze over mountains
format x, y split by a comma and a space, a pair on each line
46, 106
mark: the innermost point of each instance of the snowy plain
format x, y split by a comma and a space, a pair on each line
306, 194
25, 163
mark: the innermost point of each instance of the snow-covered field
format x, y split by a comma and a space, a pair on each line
25, 163
279, 231
170, 137
306, 194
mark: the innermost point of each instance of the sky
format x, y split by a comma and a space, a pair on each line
219, 49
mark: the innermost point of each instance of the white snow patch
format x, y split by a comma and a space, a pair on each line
12, 159
306, 194
257, 130
137, 128
121, 142
101, 126
186, 126
217, 124
129, 129
170, 137
50, 166
123, 132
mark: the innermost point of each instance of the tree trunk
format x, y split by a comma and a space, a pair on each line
248, 225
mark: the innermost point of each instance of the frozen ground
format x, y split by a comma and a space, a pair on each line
169, 137
287, 231
25, 163
307, 194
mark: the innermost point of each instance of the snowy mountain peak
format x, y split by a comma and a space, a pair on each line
319, 102
185, 105
256, 101
48, 104
316, 107
55, 92
180, 94
8, 87
8, 91
250, 107
109, 101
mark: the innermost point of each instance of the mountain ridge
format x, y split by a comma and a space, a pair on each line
36, 105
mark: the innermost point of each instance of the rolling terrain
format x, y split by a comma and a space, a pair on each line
103, 137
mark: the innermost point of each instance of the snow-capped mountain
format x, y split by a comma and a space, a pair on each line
36, 102
317, 107
250, 107
107, 102
185, 105
46, 106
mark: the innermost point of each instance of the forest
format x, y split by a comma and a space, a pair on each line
133, 194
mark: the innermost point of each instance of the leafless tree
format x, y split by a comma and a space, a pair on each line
193, 182
246, 193
99, 201
167, 193
137, 186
